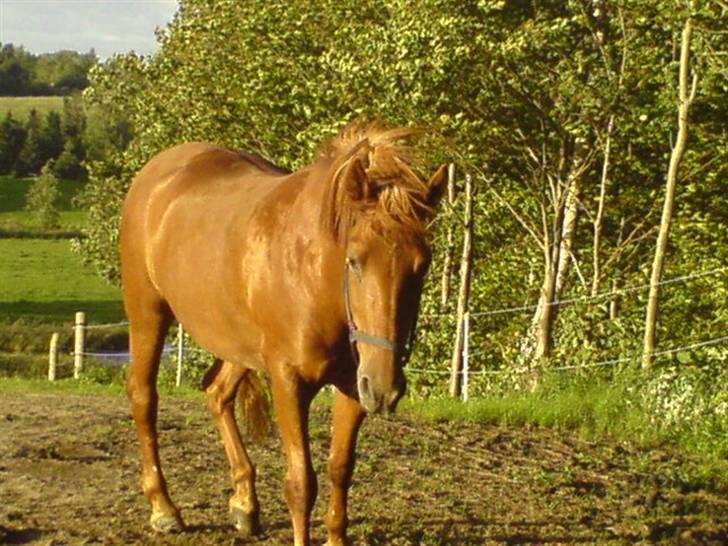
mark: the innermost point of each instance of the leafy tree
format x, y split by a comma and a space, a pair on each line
60, 73
51, 137
69, 163
42, 198
15, 70
12, 140
29, 160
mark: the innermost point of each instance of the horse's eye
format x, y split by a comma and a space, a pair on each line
353, 264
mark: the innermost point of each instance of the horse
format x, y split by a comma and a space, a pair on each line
311, 277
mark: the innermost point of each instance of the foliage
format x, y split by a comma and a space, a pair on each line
59, 136
60, 73
523, 96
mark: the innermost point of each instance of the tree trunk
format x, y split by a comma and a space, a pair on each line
538, 342
599, 219
685, 99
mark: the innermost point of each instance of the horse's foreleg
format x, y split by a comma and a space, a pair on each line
292, 401
347, 419
147, 331
221, 384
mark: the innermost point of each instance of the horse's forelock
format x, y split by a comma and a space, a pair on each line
398, 197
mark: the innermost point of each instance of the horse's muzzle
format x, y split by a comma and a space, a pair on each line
378, 400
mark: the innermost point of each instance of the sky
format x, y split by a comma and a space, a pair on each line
107, 26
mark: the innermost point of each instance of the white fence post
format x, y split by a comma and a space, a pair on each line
466, 354
79, 331
180, 352
53, 357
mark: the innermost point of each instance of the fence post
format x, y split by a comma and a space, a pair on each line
79, 332
180, 352
466, 355
466, 264
53, 357
447, 262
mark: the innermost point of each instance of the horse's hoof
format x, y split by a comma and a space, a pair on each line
167, 523
247, 524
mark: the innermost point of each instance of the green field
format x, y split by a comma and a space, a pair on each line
41, 280
20, 107
44, 281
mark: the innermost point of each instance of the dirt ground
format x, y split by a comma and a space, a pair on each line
69, 475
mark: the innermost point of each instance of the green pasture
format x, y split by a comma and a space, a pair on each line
20, 107
42, 280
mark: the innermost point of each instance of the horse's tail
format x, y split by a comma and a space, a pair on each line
255, 406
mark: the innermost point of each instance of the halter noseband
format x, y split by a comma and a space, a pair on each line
357, 336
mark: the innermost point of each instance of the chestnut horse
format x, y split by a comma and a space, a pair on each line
313, 277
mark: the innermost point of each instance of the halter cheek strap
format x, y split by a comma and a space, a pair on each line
357, 336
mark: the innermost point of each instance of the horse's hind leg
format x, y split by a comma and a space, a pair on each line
221, 384
149, 320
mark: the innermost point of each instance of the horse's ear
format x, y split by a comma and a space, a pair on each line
354, 180
436, 186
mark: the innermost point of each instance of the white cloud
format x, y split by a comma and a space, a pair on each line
107, 26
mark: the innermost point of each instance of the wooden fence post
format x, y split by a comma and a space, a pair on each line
447, 262
466, 264
466, 356
180, 352
53, 357
79, 331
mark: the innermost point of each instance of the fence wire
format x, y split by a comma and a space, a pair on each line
611, 362
507, 310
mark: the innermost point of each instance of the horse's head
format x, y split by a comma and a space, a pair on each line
378, 208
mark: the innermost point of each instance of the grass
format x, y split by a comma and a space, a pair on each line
42, 280
597, 408
20, 107
85, 387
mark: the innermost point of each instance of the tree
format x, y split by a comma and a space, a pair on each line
12, 140
69, 163
42, 199
686, 97
51, 137
15, 70
30, 158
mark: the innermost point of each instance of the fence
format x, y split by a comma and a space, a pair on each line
465, 329
464, 342
80, 330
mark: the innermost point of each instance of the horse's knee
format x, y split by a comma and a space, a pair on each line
339, 473
140, 393
215, 401
301, 490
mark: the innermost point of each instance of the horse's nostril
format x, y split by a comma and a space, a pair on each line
364, 391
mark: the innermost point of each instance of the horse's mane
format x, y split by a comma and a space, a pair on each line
395, 196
